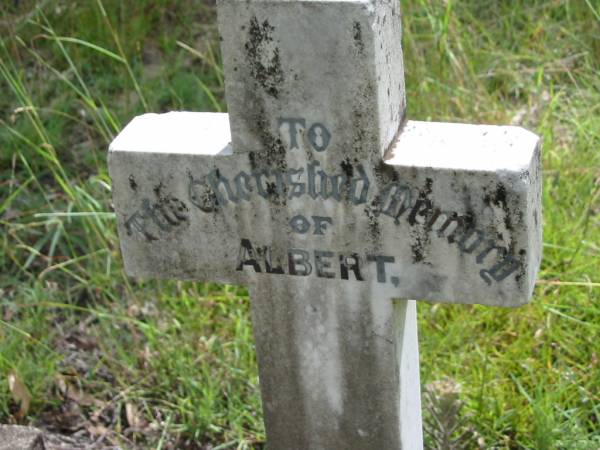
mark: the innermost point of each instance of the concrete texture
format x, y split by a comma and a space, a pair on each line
338, 366
466, 229
14, 437
328, 204
335, 62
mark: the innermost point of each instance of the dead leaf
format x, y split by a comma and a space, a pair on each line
20, 393
145, 356
133, 310
81, 398
133, 416
9, 313
98, 430
61, 384
538, 334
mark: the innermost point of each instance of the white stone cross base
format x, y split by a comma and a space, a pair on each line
339, 366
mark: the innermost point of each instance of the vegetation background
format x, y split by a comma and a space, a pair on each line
86, 352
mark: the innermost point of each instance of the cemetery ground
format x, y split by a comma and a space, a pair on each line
89, 353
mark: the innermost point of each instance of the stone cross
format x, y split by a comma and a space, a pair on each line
318, 194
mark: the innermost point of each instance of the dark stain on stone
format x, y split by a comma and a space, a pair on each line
521, 274
376, 206
433, 283
252, 160
359, 128
357, 35
272, 151
347, 167
374, 226
272, 190
158, 190
132, 183
428, 187
362, 111
267, 153
417, 248
384, 173
270, 156
265, 69
421, 236
499, 198
203, 198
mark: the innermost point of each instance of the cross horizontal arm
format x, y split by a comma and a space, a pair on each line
422, 225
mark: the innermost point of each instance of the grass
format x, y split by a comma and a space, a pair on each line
171, 364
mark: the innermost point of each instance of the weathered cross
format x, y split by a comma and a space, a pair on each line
328, 204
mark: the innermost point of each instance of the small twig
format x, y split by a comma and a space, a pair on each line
567, 283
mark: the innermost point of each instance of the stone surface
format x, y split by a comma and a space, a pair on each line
328, 204
336, 62
14, 437
339, 366
463, 229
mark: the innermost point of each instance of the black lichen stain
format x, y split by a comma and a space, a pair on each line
272, 190
265, 69
362, 112
271, 155
522, 272
420, 234
158, 190
347, 167
348, 171
132, 183
359, 124
357, 35
206, 200
385, 173
273, 151
499, 198
500, 195
426, 192
252, 160
372, 213
417, 248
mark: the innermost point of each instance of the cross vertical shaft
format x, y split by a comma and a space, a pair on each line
338, 363
339, 369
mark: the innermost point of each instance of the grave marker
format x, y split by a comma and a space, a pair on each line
329, 204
